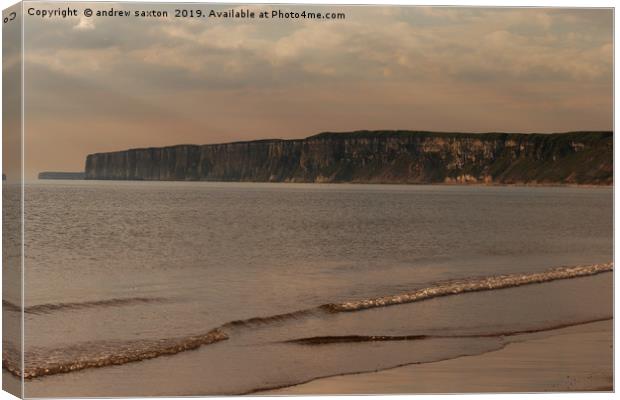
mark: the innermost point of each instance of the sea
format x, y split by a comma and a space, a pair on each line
206, 288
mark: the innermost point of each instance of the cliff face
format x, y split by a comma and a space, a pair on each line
375, 157
61, 175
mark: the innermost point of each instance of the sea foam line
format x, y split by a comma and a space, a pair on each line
471, 285
44, 362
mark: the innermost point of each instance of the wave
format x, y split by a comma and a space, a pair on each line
319, 340
439, 289
471, 285
271, 319
8, 306
42, 362
49, 308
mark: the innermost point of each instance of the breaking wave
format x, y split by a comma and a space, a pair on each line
472, 285
438, 289
53, 307
271, 319
42, 362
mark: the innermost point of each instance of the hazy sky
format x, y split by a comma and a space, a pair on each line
103, 84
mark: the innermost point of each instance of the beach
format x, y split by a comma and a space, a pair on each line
577, 358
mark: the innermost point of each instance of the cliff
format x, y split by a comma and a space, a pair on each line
376, 157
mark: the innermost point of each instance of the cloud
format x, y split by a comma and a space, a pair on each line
421, 43
85, 24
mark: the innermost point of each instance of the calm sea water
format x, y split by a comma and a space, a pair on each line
116, 267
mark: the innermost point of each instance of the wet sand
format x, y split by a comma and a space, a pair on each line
578, 358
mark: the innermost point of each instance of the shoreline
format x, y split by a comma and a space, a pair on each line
531, 362
403, 373
435, 290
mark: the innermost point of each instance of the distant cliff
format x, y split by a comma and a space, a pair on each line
376, 157
61, 175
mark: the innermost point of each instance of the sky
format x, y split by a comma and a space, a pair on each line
103, 84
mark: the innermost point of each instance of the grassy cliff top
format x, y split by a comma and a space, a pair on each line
557, 138
366, 134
